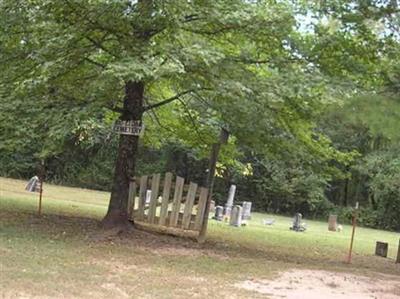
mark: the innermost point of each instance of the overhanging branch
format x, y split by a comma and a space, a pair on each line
169, 100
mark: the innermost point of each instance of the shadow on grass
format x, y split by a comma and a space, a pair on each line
85, 231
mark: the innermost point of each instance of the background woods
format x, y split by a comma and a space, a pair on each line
309, 93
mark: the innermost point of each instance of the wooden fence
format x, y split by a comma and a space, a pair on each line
177, 206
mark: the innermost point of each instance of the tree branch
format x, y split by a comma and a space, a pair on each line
103, 66
192, 120
99, 45
169, 100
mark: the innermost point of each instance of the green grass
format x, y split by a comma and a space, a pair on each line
65, 254
315, 240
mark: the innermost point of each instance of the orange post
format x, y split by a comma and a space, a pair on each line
40, 197
41, 179
354, 223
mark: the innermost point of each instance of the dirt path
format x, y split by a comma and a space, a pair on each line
301, 284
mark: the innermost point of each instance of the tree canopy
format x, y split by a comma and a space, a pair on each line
264, 70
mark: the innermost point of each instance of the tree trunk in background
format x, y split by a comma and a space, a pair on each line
117, 214
346, 193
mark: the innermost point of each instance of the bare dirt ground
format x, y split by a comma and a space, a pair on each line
308, 284
61, 256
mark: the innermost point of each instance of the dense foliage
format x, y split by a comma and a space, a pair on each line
282, 76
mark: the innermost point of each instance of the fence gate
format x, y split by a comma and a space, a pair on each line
177, 208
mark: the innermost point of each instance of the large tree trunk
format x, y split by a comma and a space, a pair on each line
117, 214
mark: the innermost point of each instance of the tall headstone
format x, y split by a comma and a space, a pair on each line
229, 203
246, 212
219, 215
236, 216
231, 196
332, 223
381, 249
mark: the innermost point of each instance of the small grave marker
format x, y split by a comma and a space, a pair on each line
33, 184
246, 211
398, 254
236, 216
381, 249
219, 215
212, 206
227, 211
148, 196
297, 225
332, 223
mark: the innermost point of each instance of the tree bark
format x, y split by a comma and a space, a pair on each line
223, 139
117, 214
346, 193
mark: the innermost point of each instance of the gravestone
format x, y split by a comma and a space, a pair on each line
227, 211
332, 223
212, 206
219, 215
297, 225
381, 249
236, 216
231, 196
33, 185
398, 254
229, 203
148, 196
246, 212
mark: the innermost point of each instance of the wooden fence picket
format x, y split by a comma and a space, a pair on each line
187, 213
201, 207
176, 205
142, 197
155, 186
165, 198
131, 198
170, 217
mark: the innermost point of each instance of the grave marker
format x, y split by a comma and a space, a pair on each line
246, 211
297, 226
381, 249
148, 196
33, 184
212, 206
219, 215
236, 216
229, 203
332, 223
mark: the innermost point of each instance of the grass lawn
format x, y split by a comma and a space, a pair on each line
64, 254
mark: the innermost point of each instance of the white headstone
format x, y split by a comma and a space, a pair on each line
246, 214
227, 211
148, 196
212, 206
229, 203
236, 216
231, 196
